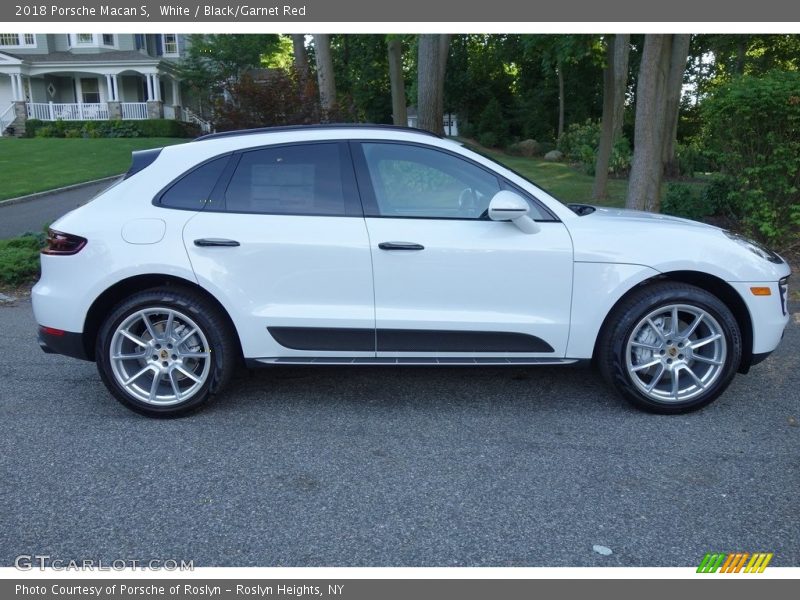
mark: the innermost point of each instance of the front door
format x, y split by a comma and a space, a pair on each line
448, 281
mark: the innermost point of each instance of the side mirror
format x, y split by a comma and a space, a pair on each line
508, 206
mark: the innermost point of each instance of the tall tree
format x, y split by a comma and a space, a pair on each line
615, 83
300, 55
672, 99
325, 77
395, 51
430, 83
644, 185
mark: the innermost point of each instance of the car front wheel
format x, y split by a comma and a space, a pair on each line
670, 348
164, 352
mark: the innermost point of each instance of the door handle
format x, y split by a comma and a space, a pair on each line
207, 242
400, 246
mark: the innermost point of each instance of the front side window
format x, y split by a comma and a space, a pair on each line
295, 180
414, 181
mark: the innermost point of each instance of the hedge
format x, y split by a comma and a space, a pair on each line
110, 129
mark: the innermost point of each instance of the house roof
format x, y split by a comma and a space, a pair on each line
83, 58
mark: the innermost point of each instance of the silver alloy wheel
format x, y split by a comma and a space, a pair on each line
676, 353
160, 356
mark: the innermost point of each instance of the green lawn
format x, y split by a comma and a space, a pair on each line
566, 183
38, 164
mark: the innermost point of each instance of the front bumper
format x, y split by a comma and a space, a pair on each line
68, 343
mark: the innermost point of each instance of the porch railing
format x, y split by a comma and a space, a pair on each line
68, 111
192, 117
7, 117
133, 110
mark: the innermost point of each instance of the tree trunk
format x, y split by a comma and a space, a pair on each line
560, 73
644, 185
300, 55
325, 77
429, 84
672, 99
615, 80
444, 52
395, 49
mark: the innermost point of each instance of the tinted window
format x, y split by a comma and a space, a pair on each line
295, 180
193, 190
412, 181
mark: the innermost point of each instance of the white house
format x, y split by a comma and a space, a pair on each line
90, 76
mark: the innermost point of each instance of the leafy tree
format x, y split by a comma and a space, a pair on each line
752, 128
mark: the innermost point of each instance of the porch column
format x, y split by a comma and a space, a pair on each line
14, 94
110, 89
176, 92
17, 91
115, 85
157, 87
149, 86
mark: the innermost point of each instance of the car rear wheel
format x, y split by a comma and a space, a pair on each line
670, 348
164, 352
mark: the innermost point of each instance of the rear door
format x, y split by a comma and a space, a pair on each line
283, 245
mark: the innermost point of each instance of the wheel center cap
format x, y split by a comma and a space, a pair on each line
164, 354
673, 351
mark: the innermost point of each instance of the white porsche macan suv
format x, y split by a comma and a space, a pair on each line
371, 245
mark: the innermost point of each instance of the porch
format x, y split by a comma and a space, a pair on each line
91, 91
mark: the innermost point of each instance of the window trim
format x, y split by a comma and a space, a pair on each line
164, 52
352, 202
370, 203
21, 41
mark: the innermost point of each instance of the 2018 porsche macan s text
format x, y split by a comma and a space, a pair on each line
369, 245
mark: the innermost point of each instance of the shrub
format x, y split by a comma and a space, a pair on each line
752, 130
684, 200
19, 259
579, 144
282, 98
116, 128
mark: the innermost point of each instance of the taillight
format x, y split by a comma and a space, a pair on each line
63, 244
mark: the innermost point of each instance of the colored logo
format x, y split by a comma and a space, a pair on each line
734, 562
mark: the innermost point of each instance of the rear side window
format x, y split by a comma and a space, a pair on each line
193, 190
302, 179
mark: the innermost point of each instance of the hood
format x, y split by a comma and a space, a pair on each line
624, 214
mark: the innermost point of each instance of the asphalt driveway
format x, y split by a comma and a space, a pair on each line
383, 467
33, 214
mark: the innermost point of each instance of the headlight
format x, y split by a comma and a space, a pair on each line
755, 247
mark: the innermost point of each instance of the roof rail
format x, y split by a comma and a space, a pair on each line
224, 134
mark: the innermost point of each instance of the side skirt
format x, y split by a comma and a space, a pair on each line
412, 361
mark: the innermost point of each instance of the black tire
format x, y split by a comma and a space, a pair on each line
626, 320
222, 348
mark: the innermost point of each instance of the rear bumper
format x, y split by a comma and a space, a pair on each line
67, 343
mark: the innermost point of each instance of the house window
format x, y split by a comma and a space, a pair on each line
90, 90
17, 40
92, 39
170, 44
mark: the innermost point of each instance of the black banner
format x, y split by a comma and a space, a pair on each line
410, 11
